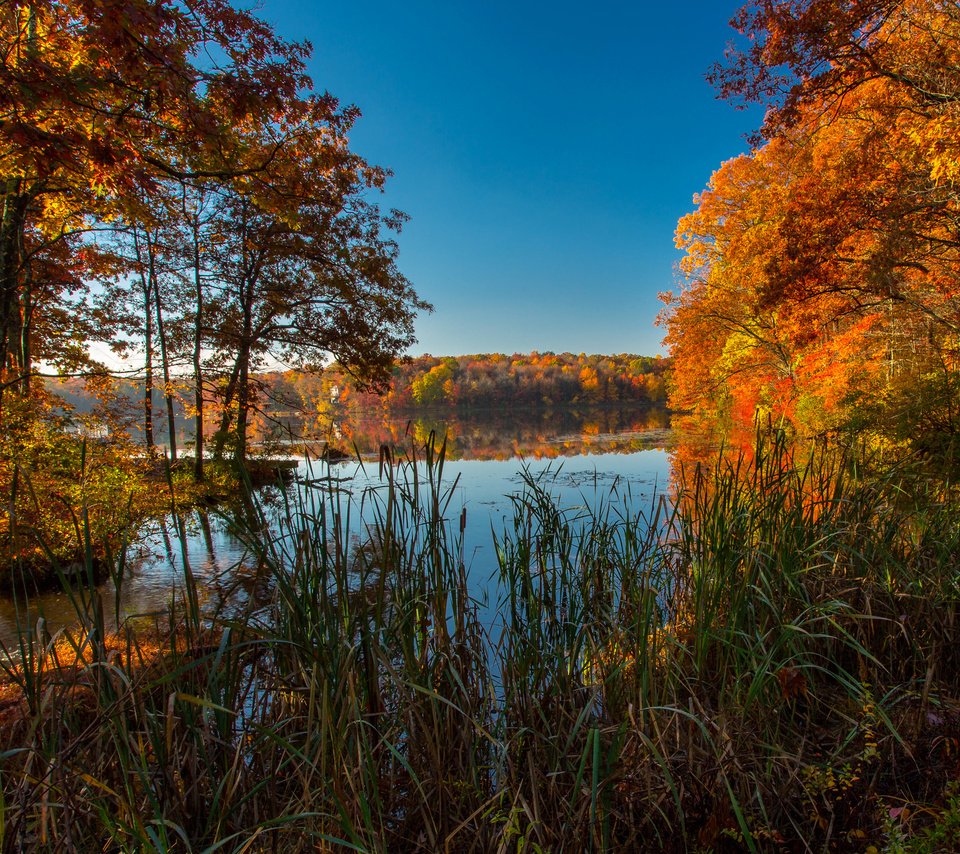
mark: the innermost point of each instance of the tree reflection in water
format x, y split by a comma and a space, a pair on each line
488, 435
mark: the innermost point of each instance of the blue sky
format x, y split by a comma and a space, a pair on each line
544, 152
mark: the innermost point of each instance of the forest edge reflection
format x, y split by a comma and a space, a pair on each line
485, 435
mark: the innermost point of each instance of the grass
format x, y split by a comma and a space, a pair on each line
768, 663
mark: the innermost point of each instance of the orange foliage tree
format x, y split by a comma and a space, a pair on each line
170, 179
98, 103
822, 270
150, 119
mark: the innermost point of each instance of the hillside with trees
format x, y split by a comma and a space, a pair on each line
483, 383
488, 380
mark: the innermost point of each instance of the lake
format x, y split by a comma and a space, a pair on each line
615, 458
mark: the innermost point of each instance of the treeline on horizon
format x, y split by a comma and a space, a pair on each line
485, 381
822, 269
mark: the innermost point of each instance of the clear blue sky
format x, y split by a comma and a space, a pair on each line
543, 150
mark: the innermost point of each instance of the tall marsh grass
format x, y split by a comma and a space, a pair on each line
767, 662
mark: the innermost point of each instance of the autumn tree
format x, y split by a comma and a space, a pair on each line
436, 385
192, 131
95, 102
304, 267
170, 180
797, 53
822, 269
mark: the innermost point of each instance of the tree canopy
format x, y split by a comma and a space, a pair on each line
168, 171
822, 269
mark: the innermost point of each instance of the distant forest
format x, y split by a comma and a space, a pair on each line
474, 382
484, 381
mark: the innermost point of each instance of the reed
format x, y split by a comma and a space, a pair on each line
767, 661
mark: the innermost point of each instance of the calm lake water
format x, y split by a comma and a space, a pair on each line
617, 458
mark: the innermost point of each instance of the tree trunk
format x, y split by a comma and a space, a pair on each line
147, 348
148, 372
164, 360
243, 406
197, 347
247, 291
15, 344
220, 438
12, 223
26, 326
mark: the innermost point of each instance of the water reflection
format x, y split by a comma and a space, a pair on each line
496, 435
614, 456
